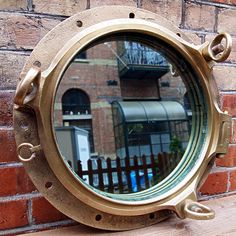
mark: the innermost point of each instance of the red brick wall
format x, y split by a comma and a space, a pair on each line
24, 22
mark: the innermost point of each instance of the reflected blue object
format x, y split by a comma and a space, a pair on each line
134, 185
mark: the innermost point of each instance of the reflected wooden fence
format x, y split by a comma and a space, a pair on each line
128, 175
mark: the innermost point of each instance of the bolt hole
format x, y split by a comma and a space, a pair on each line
98, 217
79, 23
37, 63
48, 185
151, 216
131, 15
178, 34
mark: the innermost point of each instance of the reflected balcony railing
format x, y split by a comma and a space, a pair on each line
138, 61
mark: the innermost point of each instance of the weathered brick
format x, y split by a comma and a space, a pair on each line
14, 180
6, 107
229, 160
215, 183
225, 77
232, 186
43, 211
60, 7
229, 103
226, 18
171, 10
13, 5
23, 32
7, 146
13, 214
10, 68
200, 17
193, 37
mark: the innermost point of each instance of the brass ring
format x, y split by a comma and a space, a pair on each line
198, 211
30, 146
223, 53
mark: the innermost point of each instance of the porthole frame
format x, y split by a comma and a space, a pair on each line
34, 130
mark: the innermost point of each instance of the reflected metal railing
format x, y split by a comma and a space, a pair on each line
128, 175
132, 53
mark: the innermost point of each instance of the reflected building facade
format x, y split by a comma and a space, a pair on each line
122, 74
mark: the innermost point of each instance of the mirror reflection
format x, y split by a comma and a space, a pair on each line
122, 116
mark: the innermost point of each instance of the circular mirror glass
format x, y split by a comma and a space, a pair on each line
125, 114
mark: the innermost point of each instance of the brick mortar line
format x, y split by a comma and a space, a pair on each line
196, 31
36, 14
219, 169
138, 3
36, 227
189, 30
30, 5
30, 212
12, 88
228, 182
225, 64
215, 28
228, 92
183, 14
8, 90
13, 164
26, 196
16, 51
220, 5
216, 196
205, 33
199, 31
6, 128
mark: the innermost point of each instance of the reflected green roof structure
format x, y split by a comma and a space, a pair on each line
149, 111
149, 127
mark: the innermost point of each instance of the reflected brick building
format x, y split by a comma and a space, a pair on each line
108, 72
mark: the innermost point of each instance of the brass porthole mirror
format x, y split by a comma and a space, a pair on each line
117, 119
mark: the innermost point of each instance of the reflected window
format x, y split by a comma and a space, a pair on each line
81, 55
77, 112
75, 102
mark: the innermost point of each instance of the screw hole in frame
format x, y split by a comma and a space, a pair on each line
151, 216
37, 63
98, 217
48, 185
79, 23
131, 15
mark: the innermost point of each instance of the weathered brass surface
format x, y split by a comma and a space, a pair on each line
197, 211
33, 120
